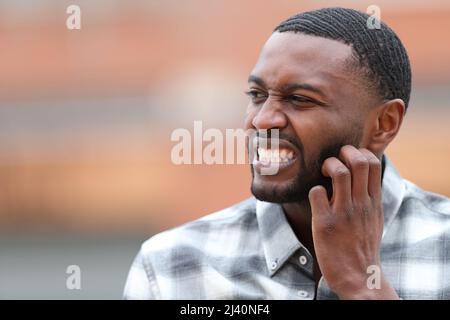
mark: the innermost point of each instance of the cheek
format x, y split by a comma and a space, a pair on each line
249, 116
315, 131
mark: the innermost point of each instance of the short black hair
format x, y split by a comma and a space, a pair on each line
379, 52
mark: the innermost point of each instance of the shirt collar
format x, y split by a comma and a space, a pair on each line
278, 239
393, 189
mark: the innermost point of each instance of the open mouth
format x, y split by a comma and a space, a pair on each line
266, 156
279, 157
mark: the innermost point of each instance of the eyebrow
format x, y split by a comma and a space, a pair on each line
288, 87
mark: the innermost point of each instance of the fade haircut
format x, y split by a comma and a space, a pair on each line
379, 54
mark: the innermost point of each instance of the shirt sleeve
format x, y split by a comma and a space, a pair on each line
141, 283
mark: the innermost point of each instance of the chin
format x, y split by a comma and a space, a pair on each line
286, 188
277, 192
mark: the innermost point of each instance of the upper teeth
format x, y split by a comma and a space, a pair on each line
276, 155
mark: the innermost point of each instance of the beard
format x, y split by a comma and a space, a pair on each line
309, 175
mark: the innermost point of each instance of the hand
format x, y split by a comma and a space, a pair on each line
347, 230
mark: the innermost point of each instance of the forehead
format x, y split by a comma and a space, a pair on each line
296, 57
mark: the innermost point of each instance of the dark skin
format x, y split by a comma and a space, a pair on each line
303, 86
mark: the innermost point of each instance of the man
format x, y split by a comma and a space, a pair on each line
336, 220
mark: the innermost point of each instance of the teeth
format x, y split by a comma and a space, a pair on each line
275, 156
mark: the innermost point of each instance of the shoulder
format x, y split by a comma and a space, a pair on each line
195, 237
184, 257
424, 216
423, 201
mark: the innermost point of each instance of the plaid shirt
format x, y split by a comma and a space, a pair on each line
249, 251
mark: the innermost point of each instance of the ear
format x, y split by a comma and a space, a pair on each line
385, 122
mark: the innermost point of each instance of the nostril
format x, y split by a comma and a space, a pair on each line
269, 118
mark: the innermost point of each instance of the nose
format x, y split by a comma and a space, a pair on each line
270, 116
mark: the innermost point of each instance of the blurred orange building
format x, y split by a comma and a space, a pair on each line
86, 115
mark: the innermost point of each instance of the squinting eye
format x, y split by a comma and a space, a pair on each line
256, 96
300, 99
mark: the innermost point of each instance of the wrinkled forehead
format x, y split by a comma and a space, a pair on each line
299, 57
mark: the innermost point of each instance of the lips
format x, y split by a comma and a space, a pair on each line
273, 157
278, 155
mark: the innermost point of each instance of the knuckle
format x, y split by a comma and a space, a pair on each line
329, 228
347, 214
371, 158
363, 208
341, 172
327, 225
375, 163
329, 161
359, 163
349, 211
346, 148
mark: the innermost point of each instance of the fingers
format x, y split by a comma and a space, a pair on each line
356, 175
319, 200
375, 170
358, 164
341, 180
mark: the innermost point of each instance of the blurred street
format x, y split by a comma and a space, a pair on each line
86, 117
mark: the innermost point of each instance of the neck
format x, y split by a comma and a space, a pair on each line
298, 215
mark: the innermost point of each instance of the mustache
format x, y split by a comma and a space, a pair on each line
268, 134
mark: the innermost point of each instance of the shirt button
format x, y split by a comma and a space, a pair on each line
303, 260
302, 293
273, 265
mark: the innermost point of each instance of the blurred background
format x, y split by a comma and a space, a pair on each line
86, 117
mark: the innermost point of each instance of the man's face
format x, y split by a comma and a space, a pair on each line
303, 86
